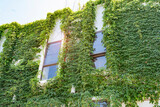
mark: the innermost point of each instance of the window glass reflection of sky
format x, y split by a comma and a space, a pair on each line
52, 53
101, 104
98, 46
49, 72
100, 62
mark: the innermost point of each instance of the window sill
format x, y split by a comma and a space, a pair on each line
42, 82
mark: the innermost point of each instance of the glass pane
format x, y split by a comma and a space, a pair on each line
98, 44
102, 104
49, 72
100, 62
52, 53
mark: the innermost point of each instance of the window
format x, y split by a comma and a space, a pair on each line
98, 102
50, 62
101, 104
99, 52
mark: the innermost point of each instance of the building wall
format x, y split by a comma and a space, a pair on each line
58, 35
1, 43
99, 18
144, 104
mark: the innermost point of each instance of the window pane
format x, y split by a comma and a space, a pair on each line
52, 53
100, 62
98, 44
102, 104
49, 72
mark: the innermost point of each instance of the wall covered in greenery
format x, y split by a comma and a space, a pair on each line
132, 41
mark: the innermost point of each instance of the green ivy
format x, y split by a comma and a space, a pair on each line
133, 52
132, 40
22, 45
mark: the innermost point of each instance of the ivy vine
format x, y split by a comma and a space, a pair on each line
132, 40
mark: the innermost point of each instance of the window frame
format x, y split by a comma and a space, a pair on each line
46, 50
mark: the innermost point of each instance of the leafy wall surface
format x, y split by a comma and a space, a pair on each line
132, 41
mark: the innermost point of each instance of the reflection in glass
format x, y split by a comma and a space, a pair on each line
100, 62
52, 53
98, 46
101, 104
49, 72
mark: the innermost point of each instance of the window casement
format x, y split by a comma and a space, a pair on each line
99, 52
50, 64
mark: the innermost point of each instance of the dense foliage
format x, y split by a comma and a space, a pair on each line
131, 37
133, 51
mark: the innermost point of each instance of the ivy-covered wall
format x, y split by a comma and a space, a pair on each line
131, 35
